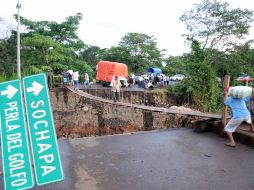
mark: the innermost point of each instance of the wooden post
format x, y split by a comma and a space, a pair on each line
224, 108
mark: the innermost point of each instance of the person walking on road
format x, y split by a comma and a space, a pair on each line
86, 80
65, 78
240, 114
75, 79
116, 86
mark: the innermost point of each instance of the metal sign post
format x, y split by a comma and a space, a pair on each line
224, 108
47, 164
18, 42
15, 147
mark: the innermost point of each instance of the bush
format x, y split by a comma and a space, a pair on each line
46, 68
58, 68
200, 89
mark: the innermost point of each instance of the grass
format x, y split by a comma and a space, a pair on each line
158, 90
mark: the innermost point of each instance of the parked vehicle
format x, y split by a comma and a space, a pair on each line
107, 70
177, 77
242, 77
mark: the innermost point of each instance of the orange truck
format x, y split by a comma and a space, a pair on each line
107, 70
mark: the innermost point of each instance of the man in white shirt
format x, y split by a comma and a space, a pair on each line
75, 79
116, 86
86, 81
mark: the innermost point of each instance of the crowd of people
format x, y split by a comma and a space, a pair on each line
143, 80
149, 80
72, 78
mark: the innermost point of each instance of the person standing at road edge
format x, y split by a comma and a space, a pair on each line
240, 114
116, 86
75, 79
86, 80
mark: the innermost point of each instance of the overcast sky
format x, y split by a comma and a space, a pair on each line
105, 22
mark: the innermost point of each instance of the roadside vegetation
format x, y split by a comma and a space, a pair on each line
215, 34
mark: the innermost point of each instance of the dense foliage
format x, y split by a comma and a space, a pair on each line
45, 47
200, 88
215, 33
138, 51
215, 24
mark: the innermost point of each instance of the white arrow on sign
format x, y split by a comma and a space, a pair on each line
35, 88
10, 91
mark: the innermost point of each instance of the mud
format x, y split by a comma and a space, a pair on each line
90, 130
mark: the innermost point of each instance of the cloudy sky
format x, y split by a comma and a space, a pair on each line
105, 22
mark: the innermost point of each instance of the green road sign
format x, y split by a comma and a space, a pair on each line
15, 147
47, 164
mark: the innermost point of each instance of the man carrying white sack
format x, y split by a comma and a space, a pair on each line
240, 114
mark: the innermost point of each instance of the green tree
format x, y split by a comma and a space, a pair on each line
51, 46
117, 54
142, 51
91, 55
40, 51
200, 89
8, 58
64, 33
214, 24
174, 65
240, 60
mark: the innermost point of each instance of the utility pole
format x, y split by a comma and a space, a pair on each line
226, 84
18, 42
